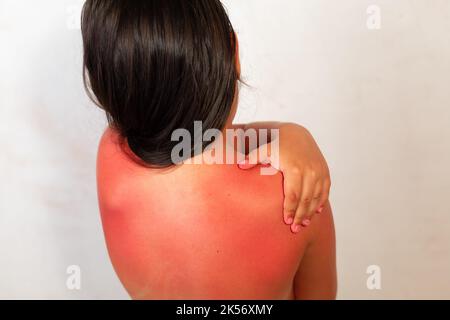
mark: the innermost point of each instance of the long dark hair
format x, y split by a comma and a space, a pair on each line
155, 66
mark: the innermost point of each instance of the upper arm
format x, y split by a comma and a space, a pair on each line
316, 278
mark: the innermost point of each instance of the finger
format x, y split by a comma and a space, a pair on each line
258, 156
325, 195
246, 165
315, 203
305, 200
292, 187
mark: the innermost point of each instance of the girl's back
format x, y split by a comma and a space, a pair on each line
208, 232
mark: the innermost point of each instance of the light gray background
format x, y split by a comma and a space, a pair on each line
377, 101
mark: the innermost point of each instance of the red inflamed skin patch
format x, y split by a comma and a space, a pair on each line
196, 231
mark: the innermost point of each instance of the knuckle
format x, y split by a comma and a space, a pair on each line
289, 213
297, 171
306, 200
310, 168
291, 197
290, 208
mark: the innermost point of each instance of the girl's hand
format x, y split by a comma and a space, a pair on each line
306, 175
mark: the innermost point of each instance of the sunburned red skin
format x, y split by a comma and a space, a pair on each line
196, 232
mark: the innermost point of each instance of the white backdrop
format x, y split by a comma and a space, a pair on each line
378, 102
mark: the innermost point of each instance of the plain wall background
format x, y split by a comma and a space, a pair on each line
378, 102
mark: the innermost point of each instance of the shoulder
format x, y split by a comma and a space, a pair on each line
121, 181
117, 172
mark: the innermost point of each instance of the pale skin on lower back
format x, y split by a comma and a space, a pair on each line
208, 232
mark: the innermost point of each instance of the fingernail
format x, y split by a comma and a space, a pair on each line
296, 228
320, 209
244, 164
306, 223
289, 221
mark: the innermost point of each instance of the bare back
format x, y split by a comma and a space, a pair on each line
206, 232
